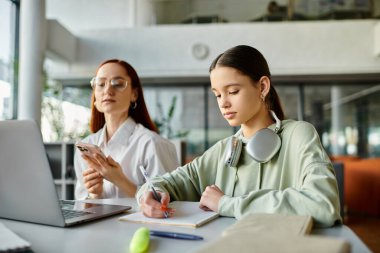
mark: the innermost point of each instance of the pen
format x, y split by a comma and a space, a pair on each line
175, 235
152, 187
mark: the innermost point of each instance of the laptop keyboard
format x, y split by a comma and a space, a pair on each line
69, 214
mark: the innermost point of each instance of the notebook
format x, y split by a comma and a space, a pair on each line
272, 224
274, 233
187, 214
27, 190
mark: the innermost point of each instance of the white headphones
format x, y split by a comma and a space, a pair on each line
261, 147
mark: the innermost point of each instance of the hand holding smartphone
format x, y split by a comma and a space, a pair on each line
89, 149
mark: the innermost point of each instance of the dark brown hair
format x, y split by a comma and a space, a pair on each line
250, 62
139, 114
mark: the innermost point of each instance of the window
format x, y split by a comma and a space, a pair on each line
187, 120
65, 112
196, 112
8, 62
346, 116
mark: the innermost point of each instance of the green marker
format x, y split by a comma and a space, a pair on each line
140, 241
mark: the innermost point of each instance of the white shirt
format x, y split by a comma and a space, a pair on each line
132, 145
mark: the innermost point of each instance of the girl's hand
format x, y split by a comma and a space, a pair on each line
109, 169
150, 207
93, 181
106, 167
210, 198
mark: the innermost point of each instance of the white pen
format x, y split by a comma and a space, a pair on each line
156, 196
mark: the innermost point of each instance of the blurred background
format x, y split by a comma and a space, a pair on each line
324, 56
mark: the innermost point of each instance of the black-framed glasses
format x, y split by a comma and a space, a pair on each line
117, 83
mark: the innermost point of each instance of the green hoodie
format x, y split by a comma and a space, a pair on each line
298, 180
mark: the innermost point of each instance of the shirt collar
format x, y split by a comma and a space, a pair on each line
122, 134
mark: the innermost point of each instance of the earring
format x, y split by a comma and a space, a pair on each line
262, 97
134, 105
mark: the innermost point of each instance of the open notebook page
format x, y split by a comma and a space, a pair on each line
187, 214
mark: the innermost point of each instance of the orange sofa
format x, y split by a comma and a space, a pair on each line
361, 184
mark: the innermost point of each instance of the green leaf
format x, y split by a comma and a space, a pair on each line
172, 107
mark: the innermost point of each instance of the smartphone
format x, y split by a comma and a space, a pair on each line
89, 149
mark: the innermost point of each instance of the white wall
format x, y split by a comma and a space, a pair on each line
78, 15
291, 48
61, 43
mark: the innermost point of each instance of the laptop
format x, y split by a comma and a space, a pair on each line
27, 190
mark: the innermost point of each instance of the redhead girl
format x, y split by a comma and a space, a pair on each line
122, 128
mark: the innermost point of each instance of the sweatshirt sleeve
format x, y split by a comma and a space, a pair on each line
187, 183
315, 192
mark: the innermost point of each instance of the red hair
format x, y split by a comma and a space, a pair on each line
140, 114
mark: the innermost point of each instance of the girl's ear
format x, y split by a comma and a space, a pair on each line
135, 95
95, 105
264, 84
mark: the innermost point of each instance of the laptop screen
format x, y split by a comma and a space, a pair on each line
27, 189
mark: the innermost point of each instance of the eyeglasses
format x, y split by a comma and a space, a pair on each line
117, 83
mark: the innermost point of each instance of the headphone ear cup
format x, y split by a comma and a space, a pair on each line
263, 145
233, 152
